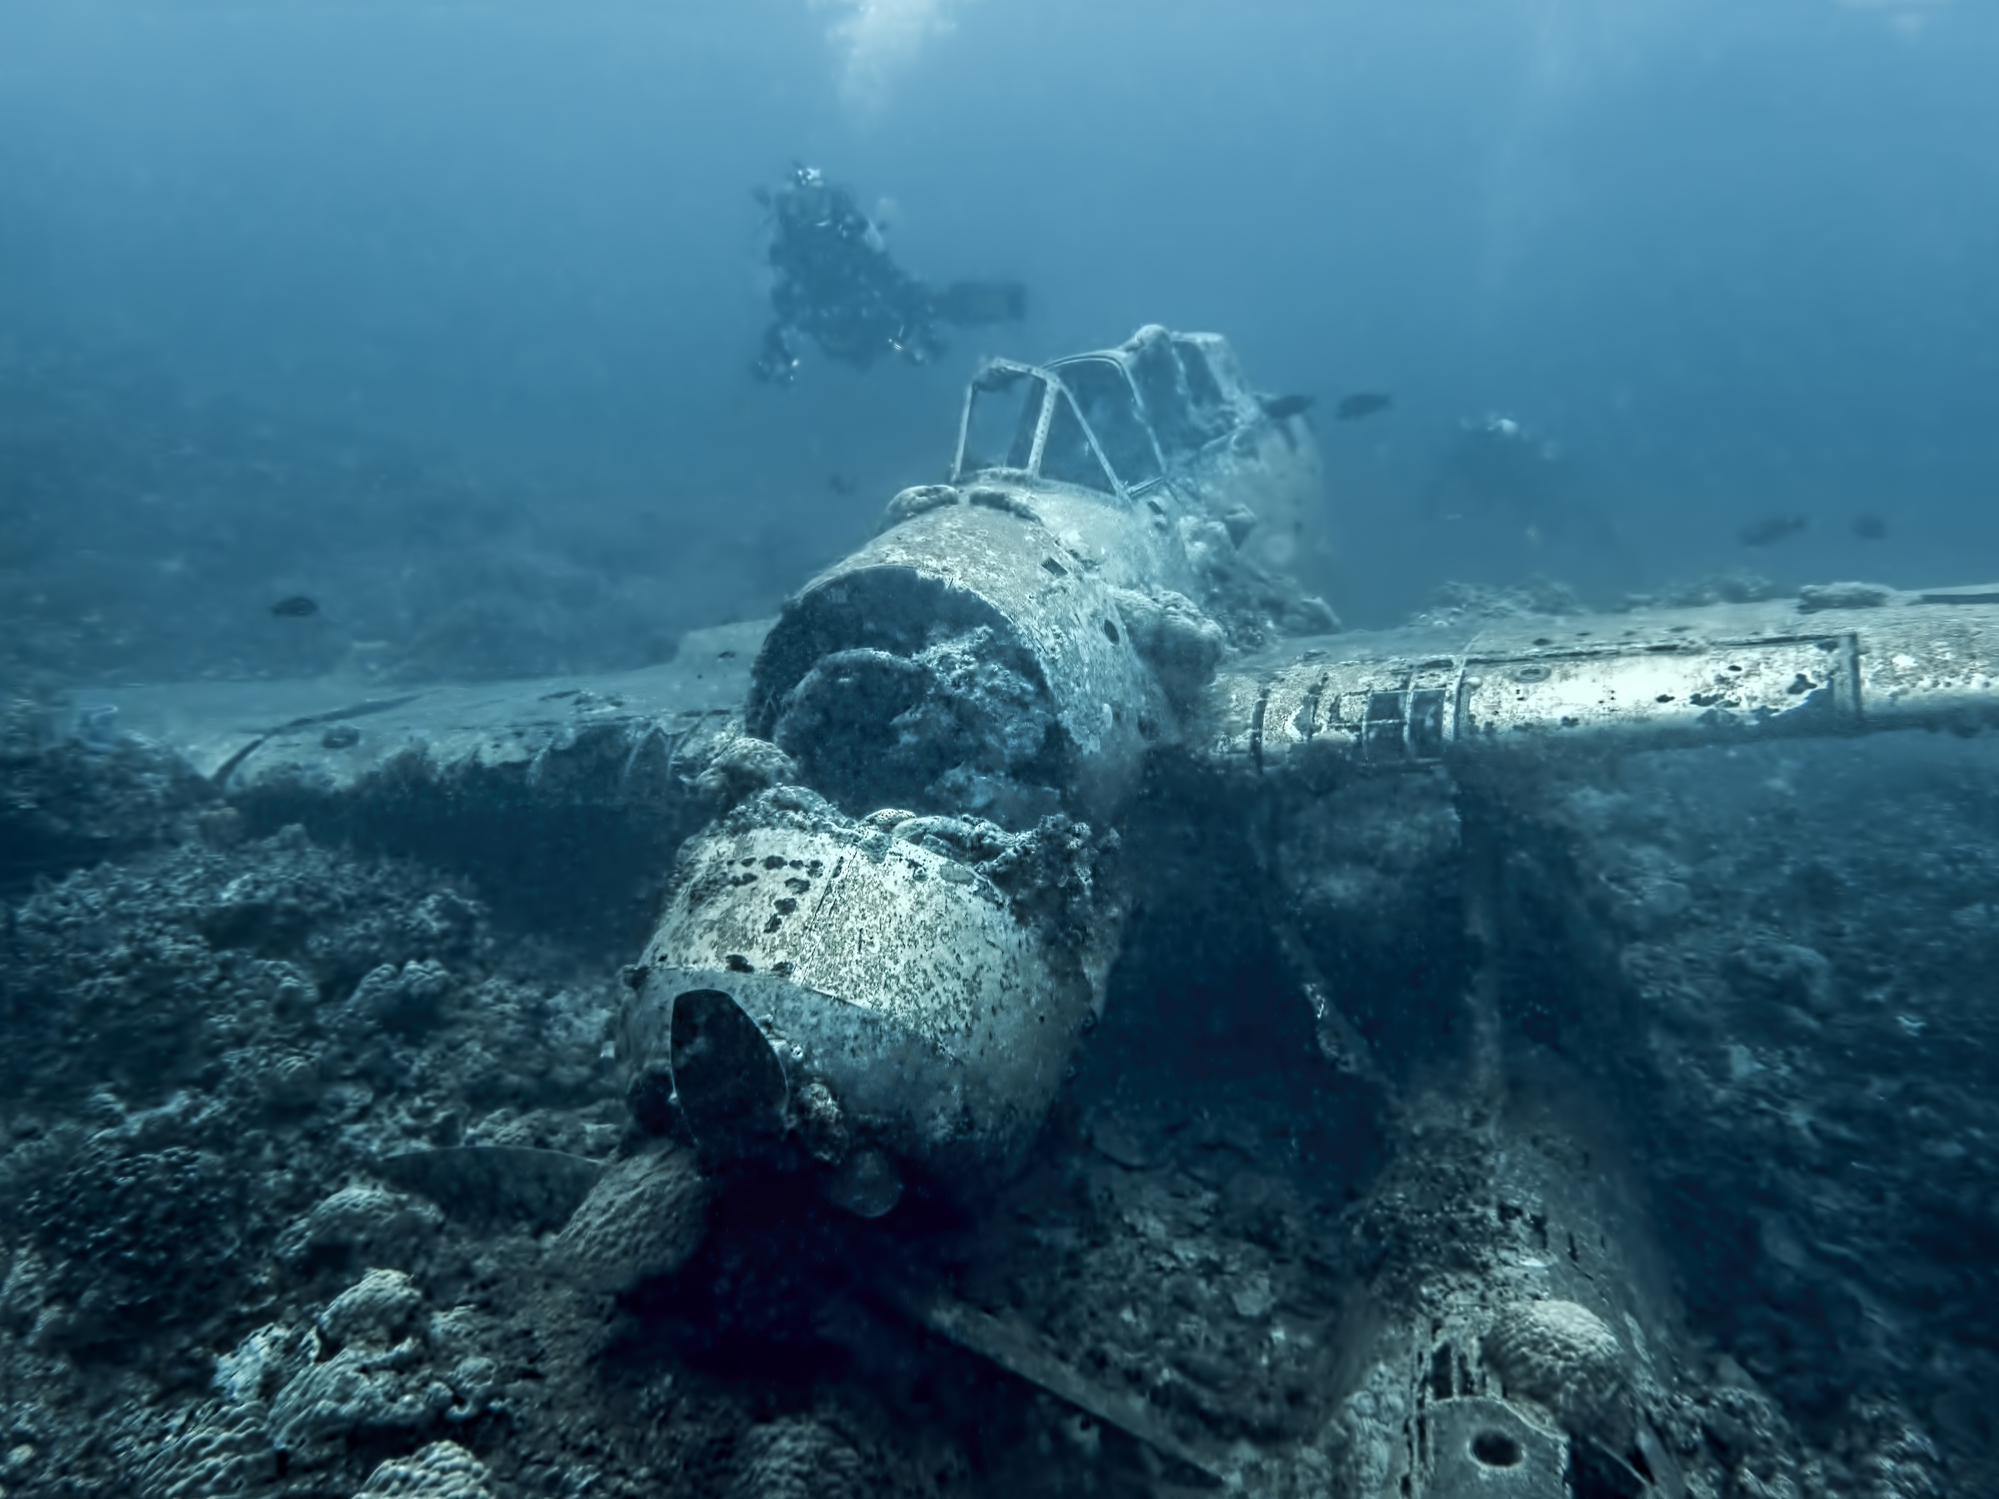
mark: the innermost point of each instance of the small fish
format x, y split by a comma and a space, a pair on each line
298, 606
1362, 403
1278, 408
1870, 527
1772, 529
840, 484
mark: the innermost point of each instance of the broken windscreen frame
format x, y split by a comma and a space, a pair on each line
1019, 419
1109, 406
1069, 455
1003, 417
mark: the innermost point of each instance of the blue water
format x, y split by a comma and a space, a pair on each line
1733, 261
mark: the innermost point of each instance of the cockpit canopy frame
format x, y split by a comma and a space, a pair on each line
1023, 421
1115, 421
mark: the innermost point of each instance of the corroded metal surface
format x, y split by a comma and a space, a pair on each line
330, 737
1609, 681
992, 560
1474, 1448
992, 622
898, 977
1021, 1352
566, 796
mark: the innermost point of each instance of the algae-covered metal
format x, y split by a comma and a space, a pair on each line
981, 654
884, 990
1605, 682
878, 954
1007, 651
1165, 414
1000, 605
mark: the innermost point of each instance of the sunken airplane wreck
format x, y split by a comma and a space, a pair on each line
899, 888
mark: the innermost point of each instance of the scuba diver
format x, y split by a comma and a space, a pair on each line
1512, 489
1499, 466
837, 284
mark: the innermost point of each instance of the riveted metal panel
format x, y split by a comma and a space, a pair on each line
1606, 682
897, 975
997, 561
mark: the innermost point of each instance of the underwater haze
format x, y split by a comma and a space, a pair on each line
441, 315
651, 846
